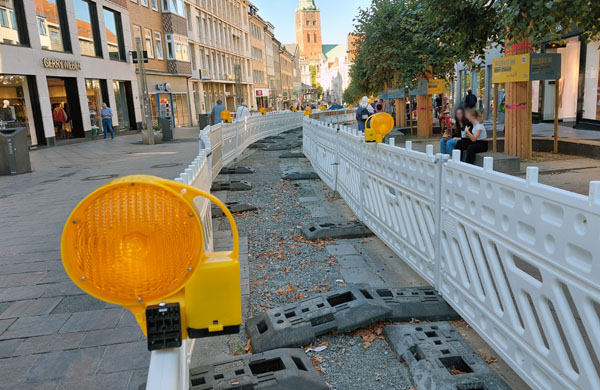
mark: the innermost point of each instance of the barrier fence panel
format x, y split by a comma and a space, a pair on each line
521, 264
520, 261
218, 146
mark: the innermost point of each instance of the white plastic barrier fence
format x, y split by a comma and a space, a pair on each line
520, 261
219, 146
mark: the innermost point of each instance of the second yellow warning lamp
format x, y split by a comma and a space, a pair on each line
378, 126
262, 111
138, 242
226, 116
307, 111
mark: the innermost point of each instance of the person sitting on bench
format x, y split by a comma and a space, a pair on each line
474, 139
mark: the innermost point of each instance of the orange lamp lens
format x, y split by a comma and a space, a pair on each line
132, 241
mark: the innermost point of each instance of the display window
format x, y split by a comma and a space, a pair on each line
14, 105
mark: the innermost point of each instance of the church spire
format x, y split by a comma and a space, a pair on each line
307, 5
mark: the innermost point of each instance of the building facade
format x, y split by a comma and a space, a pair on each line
308, 30
220, 52
59, 61
259, 59
159, 28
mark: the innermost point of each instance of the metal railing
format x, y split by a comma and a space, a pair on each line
219, 146
519, 260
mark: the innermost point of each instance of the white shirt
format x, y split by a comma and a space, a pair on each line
483, 134
242, 112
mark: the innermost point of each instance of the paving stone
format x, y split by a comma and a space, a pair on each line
65, 364
30, 267
8, 347
62, 289
352, 261
360, 276
92, 320
15, 280
51, 385
20, 293
4, 306
18, 369
138, 380
111, 336
50, 343
35, 326
124, 357
31, 307
114, 381
4, 324
78, 303
54, 277
341, 249
127, 319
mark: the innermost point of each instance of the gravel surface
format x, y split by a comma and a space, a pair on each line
285, 267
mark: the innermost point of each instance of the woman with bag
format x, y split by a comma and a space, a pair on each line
364, 111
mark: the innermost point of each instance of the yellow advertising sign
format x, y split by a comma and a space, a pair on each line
511, 69
436, 86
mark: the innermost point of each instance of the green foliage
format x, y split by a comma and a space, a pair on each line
352, 94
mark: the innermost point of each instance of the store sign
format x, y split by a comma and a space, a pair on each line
285, 94
230, 77
204, 75
259, 92
163, 87
436, 86
421, 89
545, 66
511, 69
53, 63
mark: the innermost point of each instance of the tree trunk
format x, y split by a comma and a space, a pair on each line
517, 125
424, 116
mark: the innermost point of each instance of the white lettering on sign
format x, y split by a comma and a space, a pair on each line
53, 63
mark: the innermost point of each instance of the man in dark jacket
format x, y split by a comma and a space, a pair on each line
470, 100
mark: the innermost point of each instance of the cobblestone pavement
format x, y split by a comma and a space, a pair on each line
52, 335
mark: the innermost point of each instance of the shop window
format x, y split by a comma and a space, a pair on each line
14, 101
114, 35
94, 96
148, 43
88, 32
52, 25
159, 47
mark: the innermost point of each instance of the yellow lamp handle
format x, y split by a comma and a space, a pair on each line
368, 119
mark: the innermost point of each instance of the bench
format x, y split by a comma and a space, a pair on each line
502, 162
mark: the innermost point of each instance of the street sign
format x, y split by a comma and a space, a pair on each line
134, 57
545, 66
511, 69
421, 89
396, 93
436, 86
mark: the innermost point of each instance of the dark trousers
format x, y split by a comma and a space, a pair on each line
469, 149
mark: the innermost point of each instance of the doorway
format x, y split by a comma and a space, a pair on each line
66, 111
123, 97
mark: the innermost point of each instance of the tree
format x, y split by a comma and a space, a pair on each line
352, 94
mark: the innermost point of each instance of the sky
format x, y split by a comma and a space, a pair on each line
336, 18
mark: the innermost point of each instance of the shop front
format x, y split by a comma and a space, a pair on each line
16, 109
169, 98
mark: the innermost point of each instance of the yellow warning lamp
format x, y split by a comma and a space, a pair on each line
226, 116
294, 109
263, 111
307, 111
138, 242
378, 126
350, 107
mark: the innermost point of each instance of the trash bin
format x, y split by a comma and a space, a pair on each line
165, 124
203, 120
14, 151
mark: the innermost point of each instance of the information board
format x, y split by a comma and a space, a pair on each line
511, 69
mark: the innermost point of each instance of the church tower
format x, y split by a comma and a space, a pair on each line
308, 30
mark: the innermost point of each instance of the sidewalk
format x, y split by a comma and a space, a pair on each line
52, 335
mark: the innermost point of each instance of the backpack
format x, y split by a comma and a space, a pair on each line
471, 100
364, 113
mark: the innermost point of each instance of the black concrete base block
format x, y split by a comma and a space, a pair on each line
292, 155
234, 207
282, 146
354, 229
273, 137
438, 358
300, 176
257, 145
296, 130
236, 170
281, 369
422, 303
298, 324
233, 185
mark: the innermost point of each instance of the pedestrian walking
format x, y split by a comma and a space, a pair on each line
242, 112
364, 111
106, 114
452, 135
475, 137
379, 106
470, 100
438, 105
215, 114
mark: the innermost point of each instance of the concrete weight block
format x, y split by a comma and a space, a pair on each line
422, 303
300, 176
233, 185
236, 170
234, 207
354, 229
